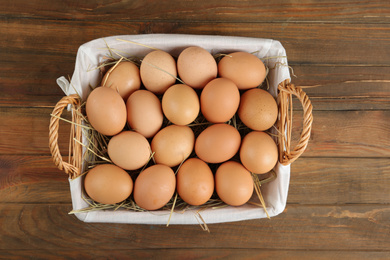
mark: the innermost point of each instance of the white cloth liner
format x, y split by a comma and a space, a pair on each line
92, 53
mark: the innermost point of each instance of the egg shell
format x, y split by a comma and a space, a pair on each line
123, 78
106, 111
258, 109
144, 113
234, 183
258, 152
158, 71
180, 104
173, 144
195, 182
196, 67
108, 184
243, 68
217, 143
219, 100
129, 150
154, 187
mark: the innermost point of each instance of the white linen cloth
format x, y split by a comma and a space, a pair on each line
92, 53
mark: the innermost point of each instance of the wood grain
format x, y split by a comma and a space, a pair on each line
338, 87
26, 131
29, 79
301, 41
347, 133
349, 138
203, 253
35, 179
340, 226
344, 87
226, 11
339, 181
338, 202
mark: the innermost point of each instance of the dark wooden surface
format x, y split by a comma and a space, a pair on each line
339, 198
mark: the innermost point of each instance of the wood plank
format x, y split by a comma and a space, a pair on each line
302, 42
204, 253
26, 131
346, 133
334, 133
344, 87
35, 179
50, 226
339, 181
229, 11
338, 204
28, 79
32, 179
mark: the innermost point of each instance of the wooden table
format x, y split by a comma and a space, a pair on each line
338, 204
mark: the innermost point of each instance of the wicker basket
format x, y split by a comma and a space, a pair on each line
91, 54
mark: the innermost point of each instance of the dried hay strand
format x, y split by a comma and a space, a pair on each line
257, 186
128, 204
137, 43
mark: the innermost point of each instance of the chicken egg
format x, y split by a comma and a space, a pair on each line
108, 184
233, 183
106, 111
158, 71
154, 187
258, 152
219, 100
173, 144
258, 109
180, 104
217, 143
196, 67
129, 150
243, 68
195, 182
144, 113
123, 78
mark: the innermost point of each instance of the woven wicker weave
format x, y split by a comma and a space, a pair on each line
284, 124
74, 164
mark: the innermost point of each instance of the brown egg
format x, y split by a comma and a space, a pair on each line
123, 78
243, 68
173, 144
144, 113
233, 183
196, 67
158, 71
258, 152
217, 143
106, 111
219, 100
180, 104
108, 184
195, 182
154, 187
129, 150
258, 109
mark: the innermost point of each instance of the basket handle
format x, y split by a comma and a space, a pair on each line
72, 168
286, 90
